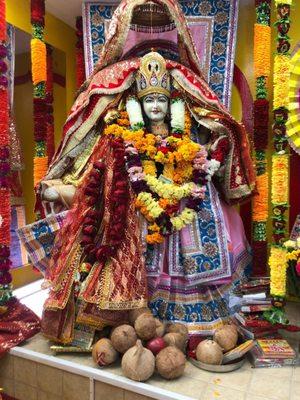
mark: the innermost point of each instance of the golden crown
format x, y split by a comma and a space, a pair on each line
153, 76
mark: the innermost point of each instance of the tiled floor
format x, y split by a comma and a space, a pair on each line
244, 384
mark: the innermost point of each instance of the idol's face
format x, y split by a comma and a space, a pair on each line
156, 106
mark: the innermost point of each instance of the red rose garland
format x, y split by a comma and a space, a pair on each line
5, 276
49, 105
118, 212
80, 72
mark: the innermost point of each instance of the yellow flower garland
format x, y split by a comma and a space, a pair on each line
281, 80
149, 167
278, 266
279, 190
185, 218
168, 190
289, 2
293, 255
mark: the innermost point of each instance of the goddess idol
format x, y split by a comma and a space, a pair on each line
149, 167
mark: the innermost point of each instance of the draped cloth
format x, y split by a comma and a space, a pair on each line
119, 284
17, 324
111, 77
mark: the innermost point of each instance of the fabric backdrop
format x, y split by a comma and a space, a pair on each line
213, 24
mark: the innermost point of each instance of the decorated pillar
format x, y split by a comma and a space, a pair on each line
39, 78
280, 157
262, 63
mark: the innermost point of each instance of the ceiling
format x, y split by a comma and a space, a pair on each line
68, 10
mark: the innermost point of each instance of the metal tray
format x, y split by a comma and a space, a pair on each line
218, 368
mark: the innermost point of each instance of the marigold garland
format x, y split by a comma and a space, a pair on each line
40, 169
5, 207
158, 200
278, 267
38, 61
260, 201
280, 159
262, 41
281, 80
280, 178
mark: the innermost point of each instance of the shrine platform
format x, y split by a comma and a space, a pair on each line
32, 372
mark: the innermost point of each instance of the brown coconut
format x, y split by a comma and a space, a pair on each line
145, 326
160, 328
176, 339
226, 337
133, 314
123, 337
178, 328
209, 352
138, 363
104, 353
170, 362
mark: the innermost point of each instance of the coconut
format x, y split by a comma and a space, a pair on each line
175, 339
170, 362
226, 336
133, 314
123, 337
160, 328
145, 326
178, 328
209, 352
138, 363
104, 353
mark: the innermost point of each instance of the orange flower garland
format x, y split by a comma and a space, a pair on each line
40, 165
262, 44
260, 201
38, 61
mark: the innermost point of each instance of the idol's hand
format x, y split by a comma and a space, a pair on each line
57, 196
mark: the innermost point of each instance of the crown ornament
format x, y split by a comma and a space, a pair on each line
152, 76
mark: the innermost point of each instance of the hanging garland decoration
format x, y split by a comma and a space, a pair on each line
262, 66
39, 78
5, 263
49, 101
80, 72
280, 158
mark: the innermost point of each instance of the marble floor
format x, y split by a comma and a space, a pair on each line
246, 383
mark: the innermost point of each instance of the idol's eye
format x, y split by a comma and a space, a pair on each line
149, 99
162, 99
